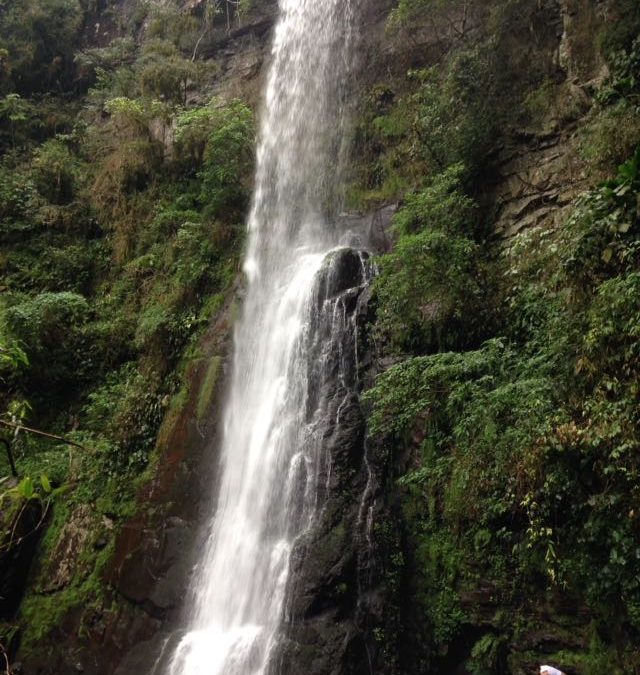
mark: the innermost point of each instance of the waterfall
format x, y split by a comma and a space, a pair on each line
295, 334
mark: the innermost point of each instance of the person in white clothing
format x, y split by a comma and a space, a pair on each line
548, 670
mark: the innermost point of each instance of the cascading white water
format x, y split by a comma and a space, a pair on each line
272, 463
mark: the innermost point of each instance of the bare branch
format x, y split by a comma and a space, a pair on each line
37, 432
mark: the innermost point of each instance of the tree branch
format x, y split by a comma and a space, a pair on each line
37, 432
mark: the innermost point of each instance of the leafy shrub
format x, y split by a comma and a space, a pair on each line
623, 82
442, 206
174, 25
428, 284
39, 37
127, 409
601, 234
408, 10
193, 128
623, 27
122, 82
129, 161
614, 132
228, 159
610, 137
55, 171
193, 254
15, 117
119, 52
168, 219
487, 655
165, 74
129, 117
405, 137
50, 327
18, 196
423, 291
65, 268
13, 362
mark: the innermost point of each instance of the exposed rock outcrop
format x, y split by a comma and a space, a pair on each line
336, 596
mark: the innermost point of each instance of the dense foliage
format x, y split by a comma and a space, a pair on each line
515, 387
123, 186
429, 290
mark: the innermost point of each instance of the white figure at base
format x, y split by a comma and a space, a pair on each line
549, 670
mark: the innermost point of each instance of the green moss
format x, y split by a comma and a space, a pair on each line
42, 610
42, 614
213, 305
208, 388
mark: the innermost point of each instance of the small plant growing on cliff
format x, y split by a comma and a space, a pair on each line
425, 285
14, 503
460, 10
228, 158
14, 113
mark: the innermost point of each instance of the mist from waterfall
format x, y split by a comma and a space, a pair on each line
273, 465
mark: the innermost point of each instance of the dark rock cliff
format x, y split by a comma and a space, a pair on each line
335, 598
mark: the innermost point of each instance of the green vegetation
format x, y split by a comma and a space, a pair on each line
408, 10
512, 401
515, 388
123, 187
37, 44
430, 282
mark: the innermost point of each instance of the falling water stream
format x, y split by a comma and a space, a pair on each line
273, 466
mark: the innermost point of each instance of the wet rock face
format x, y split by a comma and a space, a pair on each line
64, 563
334, 596
374, 228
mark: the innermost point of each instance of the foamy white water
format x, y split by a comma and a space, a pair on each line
272, 460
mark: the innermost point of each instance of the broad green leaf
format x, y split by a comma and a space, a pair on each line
25, 488
46, 485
